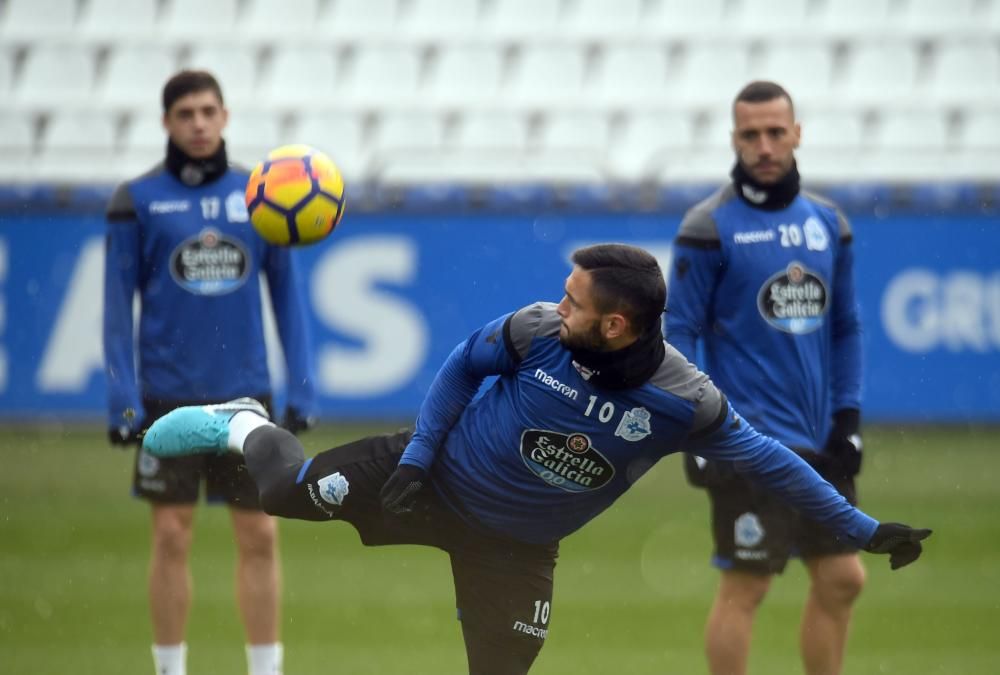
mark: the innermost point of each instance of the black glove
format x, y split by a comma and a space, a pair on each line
400, 491
296, 422
901, 542
124, 436
129, 431
843, 445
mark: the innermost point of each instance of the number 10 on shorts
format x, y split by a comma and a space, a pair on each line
541, 612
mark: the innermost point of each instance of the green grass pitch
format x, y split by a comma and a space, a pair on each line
632, 588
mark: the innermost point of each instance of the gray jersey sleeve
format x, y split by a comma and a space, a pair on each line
539, 319
846, 233
120, 207
681, 378
698, 228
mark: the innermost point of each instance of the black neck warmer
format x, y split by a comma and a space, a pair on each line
194, 172
772, 197
626, 367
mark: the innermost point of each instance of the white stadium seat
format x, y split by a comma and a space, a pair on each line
503, 131
56, 75
522, 18
78, 146
297, 72
978, 145
933, 17
574, 144
767, 18
600, 18
855, 19
632, 73
879, 73
403, 143
649, 140
134, 75
6, 74
575, 132
198, 20
687, 19
17, 145
118, 18
548, 74
911, 144
965, 72
381, 75
25, 20
406, 131
290, 19
440, 18
467, 76
360, 19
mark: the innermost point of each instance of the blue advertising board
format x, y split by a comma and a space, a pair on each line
391, 294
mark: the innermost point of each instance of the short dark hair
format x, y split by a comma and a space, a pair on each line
761, 91
189, 82
625, 279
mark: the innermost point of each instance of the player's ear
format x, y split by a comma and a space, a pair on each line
615, 325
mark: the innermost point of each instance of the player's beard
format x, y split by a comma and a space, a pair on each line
589, 338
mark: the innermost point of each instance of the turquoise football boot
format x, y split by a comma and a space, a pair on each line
196, 429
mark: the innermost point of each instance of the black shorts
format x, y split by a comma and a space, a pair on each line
755, 531
503, 587
177, 480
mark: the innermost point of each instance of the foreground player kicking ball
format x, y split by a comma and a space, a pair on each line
588, 399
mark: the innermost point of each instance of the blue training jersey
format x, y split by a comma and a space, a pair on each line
771, 295
543, 450
195, 260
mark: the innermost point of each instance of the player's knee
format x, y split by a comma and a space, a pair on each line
743, 591
257, 536
841, 583
172, 536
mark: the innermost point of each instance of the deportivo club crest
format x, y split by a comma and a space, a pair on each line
748, 531
634, 425
333, 488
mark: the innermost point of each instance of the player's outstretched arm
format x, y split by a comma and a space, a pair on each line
901, 542
778, 469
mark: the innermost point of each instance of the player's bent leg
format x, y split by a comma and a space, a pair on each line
730, 622
836, 582
169, 576
276, 461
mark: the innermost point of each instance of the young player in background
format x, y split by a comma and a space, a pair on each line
179, 236
588, 398
763, 276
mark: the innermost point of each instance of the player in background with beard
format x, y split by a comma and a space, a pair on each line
763, 276
179, 236
588, 398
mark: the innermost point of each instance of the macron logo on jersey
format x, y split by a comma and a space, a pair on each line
753, 237
172, 206
549, 381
